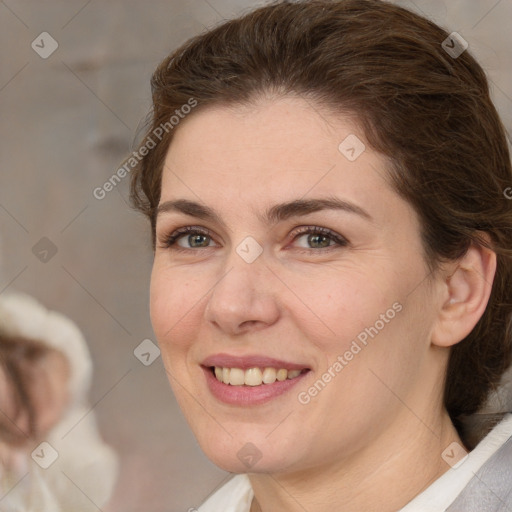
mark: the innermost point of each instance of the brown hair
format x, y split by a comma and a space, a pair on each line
428, 112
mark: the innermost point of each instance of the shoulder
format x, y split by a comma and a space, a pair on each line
234, 496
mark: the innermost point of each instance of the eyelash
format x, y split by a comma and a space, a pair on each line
169, 241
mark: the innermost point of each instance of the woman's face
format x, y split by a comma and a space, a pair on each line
350, 307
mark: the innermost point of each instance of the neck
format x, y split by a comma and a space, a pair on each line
371, 479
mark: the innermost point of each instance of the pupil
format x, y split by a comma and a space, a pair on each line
314, 239
197, 238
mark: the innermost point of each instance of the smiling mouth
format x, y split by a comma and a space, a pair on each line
254, 376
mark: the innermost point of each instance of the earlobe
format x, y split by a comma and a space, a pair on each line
467, 289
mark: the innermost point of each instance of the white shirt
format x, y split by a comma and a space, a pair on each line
237, 494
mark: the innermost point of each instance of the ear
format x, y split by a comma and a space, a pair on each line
467, 287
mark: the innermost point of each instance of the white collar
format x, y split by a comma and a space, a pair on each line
443, 492
236, 495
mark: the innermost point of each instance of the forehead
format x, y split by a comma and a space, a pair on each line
281, 149
287, 129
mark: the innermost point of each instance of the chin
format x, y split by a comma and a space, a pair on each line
240, 454
245, 460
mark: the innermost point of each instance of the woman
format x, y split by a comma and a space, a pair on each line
332, 279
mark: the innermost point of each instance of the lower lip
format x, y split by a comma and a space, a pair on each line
248, 395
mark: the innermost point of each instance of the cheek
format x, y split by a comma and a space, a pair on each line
382, 332
339, 305
174, 302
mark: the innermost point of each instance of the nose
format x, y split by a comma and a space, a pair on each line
244, 298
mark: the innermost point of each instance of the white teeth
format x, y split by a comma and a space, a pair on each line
282, 375
269, 375
236, 377
253, 376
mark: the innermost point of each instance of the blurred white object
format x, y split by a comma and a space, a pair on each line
82, 469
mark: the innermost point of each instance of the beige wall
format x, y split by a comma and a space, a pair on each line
66, 122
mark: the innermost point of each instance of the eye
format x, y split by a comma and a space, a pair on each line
316, 238
187, 238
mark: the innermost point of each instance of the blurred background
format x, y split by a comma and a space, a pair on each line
71, 107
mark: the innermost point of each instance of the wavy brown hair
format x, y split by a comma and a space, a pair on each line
430, 113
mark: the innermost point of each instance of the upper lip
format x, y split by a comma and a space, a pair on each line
250, 361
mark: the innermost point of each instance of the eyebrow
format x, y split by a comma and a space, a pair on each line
274, 214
